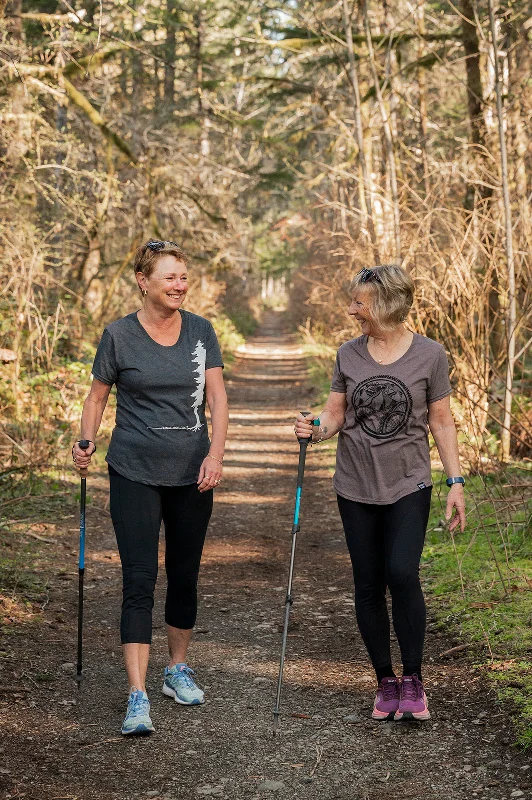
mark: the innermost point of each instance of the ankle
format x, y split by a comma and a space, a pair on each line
384, 672
138, 688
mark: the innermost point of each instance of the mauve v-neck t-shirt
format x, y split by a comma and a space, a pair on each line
161, 435
383, 447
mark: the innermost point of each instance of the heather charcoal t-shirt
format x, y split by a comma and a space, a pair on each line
161, 435
383, 449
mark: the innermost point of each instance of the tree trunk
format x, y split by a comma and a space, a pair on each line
365, 188
92, 284
388, 136
510, 300
421, 78
197, 47
475, 98
12, 10
518, 47
170, 52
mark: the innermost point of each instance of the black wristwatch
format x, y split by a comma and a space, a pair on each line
459, 479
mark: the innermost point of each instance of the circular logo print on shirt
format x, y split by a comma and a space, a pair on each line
382, 406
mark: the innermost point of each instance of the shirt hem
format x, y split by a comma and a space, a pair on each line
103, 380
374, 502
130, 477
439, 397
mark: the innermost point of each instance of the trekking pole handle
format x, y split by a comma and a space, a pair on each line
83, 444
307, 439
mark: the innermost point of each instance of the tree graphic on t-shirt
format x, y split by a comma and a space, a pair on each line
198, 357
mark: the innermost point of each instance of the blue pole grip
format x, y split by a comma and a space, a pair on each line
298, 503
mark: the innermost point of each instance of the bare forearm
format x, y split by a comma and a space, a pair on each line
91, 417
219, 422
331, 420
447, 444
330, 424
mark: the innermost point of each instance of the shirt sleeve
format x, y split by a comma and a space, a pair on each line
439, 385
105, 367
213, 357
338, 383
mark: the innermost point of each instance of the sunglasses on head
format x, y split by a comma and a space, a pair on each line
367, 275
156, 244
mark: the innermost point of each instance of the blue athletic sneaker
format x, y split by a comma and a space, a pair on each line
179, 684
137, 720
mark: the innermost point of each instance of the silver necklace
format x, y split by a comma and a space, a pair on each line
380, 360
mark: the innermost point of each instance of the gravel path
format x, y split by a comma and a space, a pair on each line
57, 742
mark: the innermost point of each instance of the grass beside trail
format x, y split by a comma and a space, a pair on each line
480, 580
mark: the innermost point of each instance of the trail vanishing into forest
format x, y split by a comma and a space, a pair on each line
58, 742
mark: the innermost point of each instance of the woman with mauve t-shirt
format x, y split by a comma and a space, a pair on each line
388, 384
165, 363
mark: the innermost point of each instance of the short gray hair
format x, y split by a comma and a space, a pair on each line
392, 293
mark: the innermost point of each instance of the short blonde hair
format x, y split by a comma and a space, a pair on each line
147, 255
392, 293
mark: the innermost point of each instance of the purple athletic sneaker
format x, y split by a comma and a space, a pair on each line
412, 699
387, 699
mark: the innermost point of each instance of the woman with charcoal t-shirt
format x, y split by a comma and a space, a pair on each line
387, 385
166, 363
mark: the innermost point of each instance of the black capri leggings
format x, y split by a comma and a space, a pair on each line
137, 510
385, 544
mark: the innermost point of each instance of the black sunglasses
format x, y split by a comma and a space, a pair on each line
156, 244
367, 275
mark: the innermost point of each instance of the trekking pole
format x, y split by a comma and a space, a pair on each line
83, 444
303, 444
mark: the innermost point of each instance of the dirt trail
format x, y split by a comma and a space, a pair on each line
57, 742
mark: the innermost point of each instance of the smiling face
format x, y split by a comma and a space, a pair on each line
167, 285
360, 309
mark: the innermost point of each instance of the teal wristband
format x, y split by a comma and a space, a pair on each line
458, 479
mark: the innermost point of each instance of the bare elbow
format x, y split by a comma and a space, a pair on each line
440, 422
217, 399
98, 395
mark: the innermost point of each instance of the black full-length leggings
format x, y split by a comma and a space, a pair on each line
137, 510
385, 544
